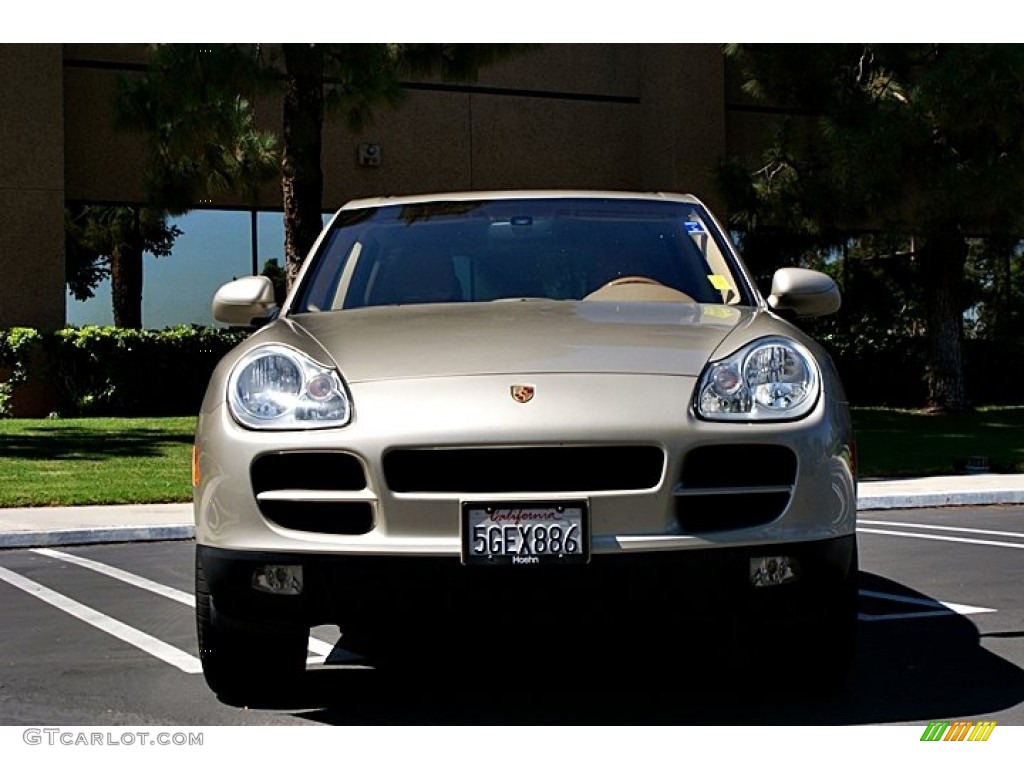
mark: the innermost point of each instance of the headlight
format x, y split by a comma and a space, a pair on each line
275, 387
771, 379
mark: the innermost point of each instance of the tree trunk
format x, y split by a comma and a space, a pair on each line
301, 176
941, 269
126, 279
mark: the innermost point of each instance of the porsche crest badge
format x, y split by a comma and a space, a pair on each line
522, 393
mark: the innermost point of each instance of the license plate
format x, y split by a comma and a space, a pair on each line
525, 533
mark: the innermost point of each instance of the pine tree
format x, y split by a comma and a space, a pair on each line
196, 101
923, 139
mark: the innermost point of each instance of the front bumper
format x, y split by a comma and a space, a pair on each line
363, 594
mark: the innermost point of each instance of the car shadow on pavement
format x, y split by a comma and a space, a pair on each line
909, 668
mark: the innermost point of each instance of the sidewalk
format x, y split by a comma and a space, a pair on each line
59, 526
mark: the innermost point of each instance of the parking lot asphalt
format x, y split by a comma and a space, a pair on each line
57, 526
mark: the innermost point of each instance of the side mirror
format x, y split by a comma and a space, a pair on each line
804, 293
246, 301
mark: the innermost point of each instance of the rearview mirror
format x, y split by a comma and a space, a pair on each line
804, 293
244, 302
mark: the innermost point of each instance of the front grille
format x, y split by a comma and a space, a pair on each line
524, 470
726, 487
351, 518
739, 466
306, 491
307, 470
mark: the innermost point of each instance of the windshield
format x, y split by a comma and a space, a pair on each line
559, 249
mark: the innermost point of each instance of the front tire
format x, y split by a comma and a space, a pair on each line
812, 653
241, 663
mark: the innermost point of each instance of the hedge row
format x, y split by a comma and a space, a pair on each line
895, 376
104, 371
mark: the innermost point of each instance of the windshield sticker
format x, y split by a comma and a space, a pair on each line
719, 282
694, 228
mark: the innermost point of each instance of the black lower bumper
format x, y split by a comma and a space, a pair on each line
356, 592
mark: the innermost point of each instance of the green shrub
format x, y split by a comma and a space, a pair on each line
104, 371
15, 345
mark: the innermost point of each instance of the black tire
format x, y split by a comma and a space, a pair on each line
838, 647
822, 665
813, 655
242, 664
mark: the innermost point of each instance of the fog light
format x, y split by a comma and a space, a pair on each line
278, 579
772, 571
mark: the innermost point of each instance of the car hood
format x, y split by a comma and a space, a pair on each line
517, 337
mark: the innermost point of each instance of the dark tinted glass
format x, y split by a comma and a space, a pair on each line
560, 249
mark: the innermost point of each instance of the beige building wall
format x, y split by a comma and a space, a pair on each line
624, 116
684, 116
31, 186
616, 116
104, 161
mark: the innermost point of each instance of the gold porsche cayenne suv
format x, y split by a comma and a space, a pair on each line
524, 422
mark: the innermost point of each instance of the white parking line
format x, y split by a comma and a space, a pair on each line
939, 607
933, 537
318, 648
980, 531
151, 645
128, 578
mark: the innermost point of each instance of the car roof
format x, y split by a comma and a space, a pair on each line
517, 194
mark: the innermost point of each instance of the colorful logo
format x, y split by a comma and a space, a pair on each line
958, 730
522, 393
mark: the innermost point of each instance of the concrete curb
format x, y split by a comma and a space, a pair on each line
867, 502
110, 535
94, 524
956, 491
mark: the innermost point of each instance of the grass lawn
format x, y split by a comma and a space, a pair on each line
46, 462
143, 460
903, 443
